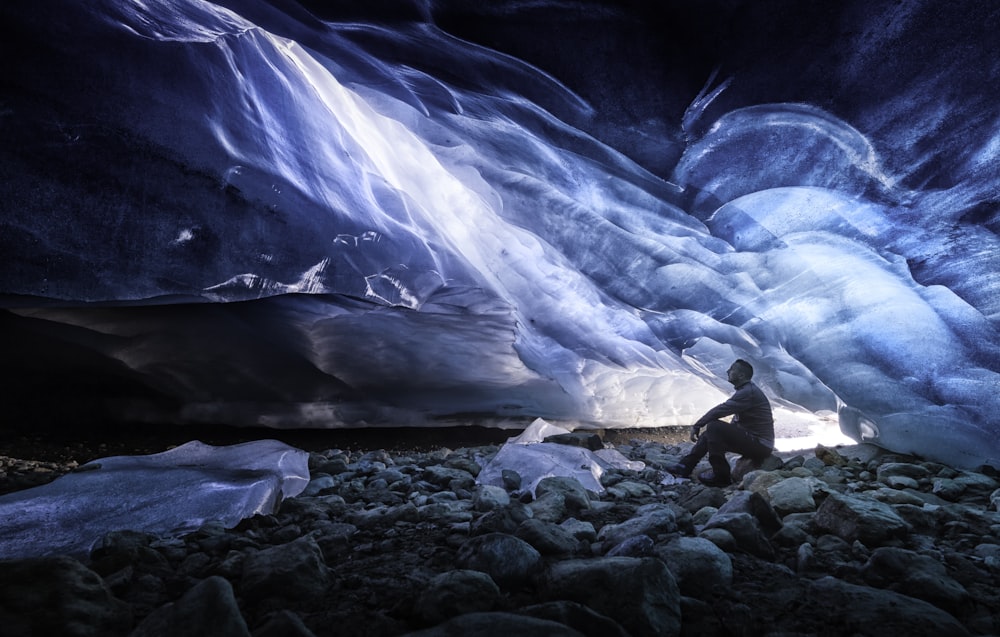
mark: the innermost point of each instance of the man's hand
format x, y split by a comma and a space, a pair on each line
695, 432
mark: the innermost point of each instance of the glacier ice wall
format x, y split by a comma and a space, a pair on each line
258, 214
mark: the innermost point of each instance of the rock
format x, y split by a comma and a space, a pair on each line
635, 546
700, 497
628, 489
589, 441
583, 531
857, 518
757, 506
915, 575
639, 593
577, 616
548, 538
977, 482
550, 507
721, 538
119, 549
58, 596
910, 470
948, 489
497, 625
456, 593
830, 457
700, 567
488, 497
651, 520
838, 607
510, 561
209, 609
576, 496
745, 530
745, 465
284, 623
449, 478
793, 495
511, 479
501, 520
319, 482
290, 571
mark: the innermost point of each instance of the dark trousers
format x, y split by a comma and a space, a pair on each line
720, 437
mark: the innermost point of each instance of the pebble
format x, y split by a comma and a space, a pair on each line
838, 541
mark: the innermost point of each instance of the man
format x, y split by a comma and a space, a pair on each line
750, 433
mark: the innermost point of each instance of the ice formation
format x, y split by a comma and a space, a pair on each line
534, 459
239, 212
167, 493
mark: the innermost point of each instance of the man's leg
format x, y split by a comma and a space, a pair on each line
724, 437
688, 462
719, 435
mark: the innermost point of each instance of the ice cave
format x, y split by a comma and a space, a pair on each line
337, 215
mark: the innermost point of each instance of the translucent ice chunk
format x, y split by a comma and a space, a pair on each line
165, 493
535, 460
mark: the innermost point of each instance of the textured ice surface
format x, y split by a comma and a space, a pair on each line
167, 493
368, 221
535, 460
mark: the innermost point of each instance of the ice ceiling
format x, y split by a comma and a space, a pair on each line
349, 214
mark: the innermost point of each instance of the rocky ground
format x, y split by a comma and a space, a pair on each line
397, 539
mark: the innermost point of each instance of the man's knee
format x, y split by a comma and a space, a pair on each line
715, 427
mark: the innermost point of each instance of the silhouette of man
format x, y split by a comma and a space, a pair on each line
750, 432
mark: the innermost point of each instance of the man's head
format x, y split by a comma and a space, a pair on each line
739, 372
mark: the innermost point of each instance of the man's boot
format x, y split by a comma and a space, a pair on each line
683, 468
719, 475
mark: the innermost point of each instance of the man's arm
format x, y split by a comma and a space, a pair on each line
740, 401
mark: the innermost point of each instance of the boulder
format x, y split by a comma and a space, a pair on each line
456, 593
497, 625
58, 596
290, 571
509, 560
641, 594
857, 518
209, 609
700, 567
